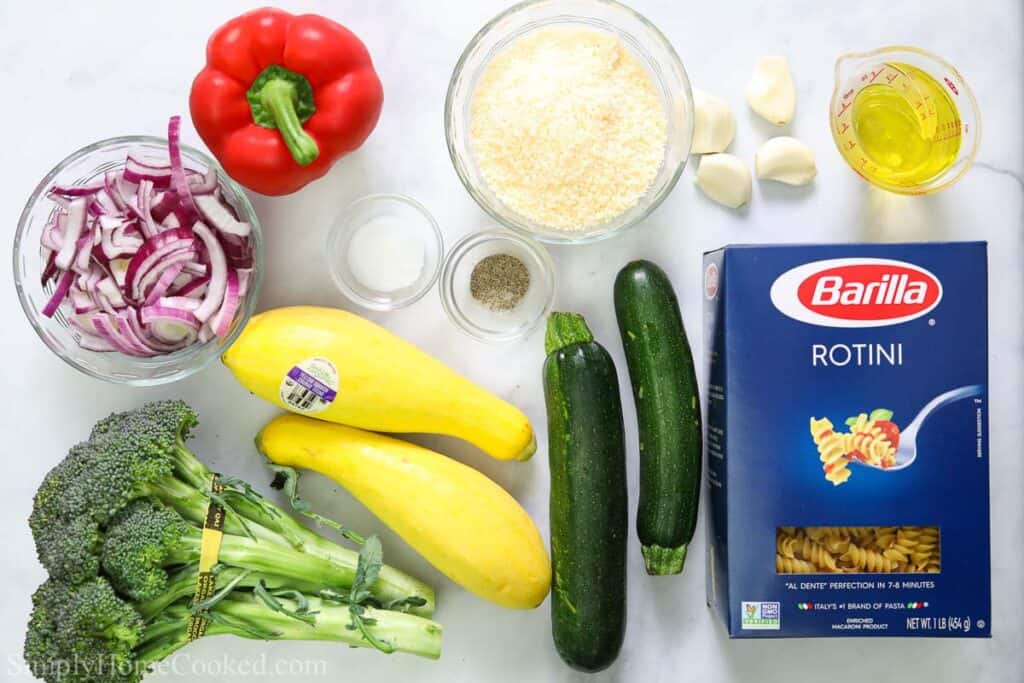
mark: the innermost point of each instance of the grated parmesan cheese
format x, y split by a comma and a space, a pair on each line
567, 127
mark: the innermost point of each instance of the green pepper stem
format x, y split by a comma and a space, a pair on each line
278, 97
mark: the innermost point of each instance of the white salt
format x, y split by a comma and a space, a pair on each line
386, 255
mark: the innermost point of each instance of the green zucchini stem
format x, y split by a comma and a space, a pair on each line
565, 329
663, 561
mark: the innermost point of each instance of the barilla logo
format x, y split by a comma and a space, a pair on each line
856, 292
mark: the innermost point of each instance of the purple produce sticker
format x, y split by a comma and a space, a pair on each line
310, 386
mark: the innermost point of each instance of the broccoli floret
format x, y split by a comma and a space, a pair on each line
139, 543
118, 524
88, 634
84, 633
141, 454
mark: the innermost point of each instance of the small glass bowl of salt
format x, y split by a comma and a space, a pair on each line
384, 251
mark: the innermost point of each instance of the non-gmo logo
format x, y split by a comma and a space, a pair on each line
856, 292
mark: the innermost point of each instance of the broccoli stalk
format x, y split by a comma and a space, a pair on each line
142, 454
246, 617
88, 634
119, 526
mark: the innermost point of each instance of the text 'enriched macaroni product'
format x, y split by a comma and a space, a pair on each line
846, 442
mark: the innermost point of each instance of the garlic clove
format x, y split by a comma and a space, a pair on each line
725, 179
787, 160
714, 124
770, 91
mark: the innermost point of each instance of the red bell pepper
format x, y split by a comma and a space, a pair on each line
282, 97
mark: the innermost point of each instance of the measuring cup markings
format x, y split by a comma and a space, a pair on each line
877, 140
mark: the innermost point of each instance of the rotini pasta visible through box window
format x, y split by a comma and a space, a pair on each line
846, 384
857, 550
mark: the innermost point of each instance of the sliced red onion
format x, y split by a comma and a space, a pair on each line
105, 304
131, 334
206, 333
81, 301
59, 292
146, 282
83, 322
108, 327
163, 283
185, 303
111, 180
221, 322
50, 270
217, 215
173, 333
197, 269
244, 276
59, 200
168, 310
87, 282
92, 342
77, 190
71, 234
178, 180
52, 238
139, 273
218, 272
163, 205
108, 288
206, 184
83, 252
119, 269
153, 251
144, 195
137, 171
113, 246
106, 203
195, 288
142, 336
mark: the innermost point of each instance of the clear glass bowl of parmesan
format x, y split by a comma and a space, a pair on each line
569, 120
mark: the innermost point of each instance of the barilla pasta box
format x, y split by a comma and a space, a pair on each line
846, 451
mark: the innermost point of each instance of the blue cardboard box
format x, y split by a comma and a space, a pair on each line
846, 449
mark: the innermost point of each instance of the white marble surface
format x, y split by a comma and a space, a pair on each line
75, 72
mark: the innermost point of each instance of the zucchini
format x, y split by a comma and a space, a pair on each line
589, 508
668, 414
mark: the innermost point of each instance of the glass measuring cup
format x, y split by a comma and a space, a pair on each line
932, 92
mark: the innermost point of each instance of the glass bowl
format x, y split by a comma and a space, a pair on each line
639, 35
479, 320
358, 215
80, 168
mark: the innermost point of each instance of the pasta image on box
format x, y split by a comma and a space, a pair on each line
846, 449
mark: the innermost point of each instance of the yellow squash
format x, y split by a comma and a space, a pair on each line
463, 523
295, 357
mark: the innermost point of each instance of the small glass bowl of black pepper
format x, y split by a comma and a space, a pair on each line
497, 285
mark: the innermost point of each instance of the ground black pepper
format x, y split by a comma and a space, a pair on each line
499, 281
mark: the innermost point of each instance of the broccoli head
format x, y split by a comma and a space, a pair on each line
129, 456
83, 634
140, 541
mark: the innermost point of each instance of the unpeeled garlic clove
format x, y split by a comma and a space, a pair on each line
770, 91
787, 160
725, 179
714, 124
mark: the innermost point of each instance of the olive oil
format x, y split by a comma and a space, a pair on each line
907, 125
